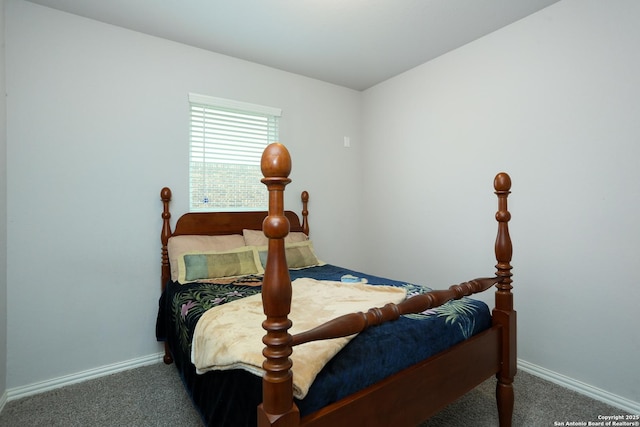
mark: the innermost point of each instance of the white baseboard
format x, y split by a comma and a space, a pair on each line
588, 390
3, 401
554, 377
31, 389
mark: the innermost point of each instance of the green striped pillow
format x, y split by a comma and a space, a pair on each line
212, 265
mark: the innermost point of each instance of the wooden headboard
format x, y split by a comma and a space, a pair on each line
219, 223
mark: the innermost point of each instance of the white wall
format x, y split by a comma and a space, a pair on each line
554, 100
3, 216
97, 126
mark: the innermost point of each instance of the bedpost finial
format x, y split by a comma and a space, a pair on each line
165, 194
276, 161
502, 182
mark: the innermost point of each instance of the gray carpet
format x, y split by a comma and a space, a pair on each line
154, 396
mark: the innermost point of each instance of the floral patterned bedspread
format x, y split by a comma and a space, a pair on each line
190, 303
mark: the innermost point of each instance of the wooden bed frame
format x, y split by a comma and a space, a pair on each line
405, 399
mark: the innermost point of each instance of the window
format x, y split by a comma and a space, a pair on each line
226, 141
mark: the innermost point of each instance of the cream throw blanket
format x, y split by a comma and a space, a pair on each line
230, 336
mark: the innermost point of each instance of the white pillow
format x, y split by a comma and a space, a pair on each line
257, 237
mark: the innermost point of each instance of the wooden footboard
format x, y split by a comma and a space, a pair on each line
354, 323
418, 392
451, 373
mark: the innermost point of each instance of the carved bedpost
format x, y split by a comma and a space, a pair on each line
305, 212
503, 313
277, 408
165, 195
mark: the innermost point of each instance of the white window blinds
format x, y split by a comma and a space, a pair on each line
227, 139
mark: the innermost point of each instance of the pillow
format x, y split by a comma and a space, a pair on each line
178, 245
257, 237
299, 255
213, 265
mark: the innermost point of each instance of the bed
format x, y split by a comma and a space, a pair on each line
395, 364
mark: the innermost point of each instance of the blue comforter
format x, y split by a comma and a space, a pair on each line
230, 397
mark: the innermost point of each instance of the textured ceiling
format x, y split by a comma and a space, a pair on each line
352, 43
